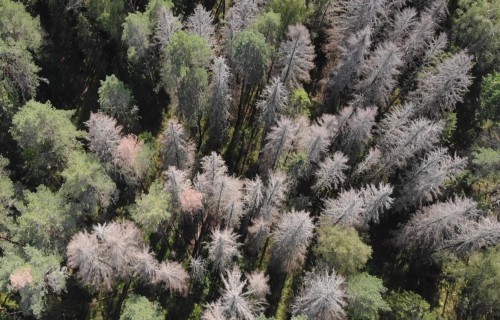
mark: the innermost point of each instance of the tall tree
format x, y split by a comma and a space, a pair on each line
178, 149
330, 174
201, 24
104, 136
296, 56
116, 100
219, 102
223, 248
291, 239
272, 103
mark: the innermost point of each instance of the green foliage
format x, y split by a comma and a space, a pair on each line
86, 184
487, 158
18, 27
45, 221
153, 208
251, 55
185, 51
299, 104
408, 305
45, 278
6, 194
268, 24
46, 137
140, 308
480, 297
340, 247
364, 293
450, 127
476, 26
136, 33
291, 12
116, 100
109, 14
490, 97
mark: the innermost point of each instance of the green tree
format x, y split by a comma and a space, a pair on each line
153, 208
109, 14
480, 297
36, 277
86, 185
45, 220
291, 12
340, 247
140, 308
269, 24
364, 293
489, 107
408, 305
6, 197
476, 26
116, 100
298, 104
136, 34
46, 138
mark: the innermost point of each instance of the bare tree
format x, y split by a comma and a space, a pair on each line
476, 235
296, 56
291, 239
274, 195
200, 23
359, 14
258, 231
219, 101
347, 209
358, 130
145, 265
198, 269
236, 301
173, 276
315, 142
376, 200
278, 142
322, 297
379, 73
104, 136
440, 90
402, 25
254, 195
346, 71
393, 125
369, 162
258, 285
222, 248
166, 25
425, 180
272, 103
176, 182
432, 226
178, 149
213, 311
330, 173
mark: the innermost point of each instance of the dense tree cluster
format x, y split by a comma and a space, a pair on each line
249, 159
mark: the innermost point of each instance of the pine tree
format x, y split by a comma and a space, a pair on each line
272, 102
330, 174
315, 142
278, 142
376, 200
322, 297
116, 100
476, 235
430, 227
201, 24
347, 209
178, 149
379, 73
219, 102
358, 130
223, 248
403, 24
439, 91
291, 239
296, 56
176, 182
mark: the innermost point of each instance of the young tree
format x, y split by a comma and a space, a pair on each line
296, 56
46, 137
223, 248
291, 239
115, 100
330, 174
322, 297
439, 91
432, 226
379, 73
104, 136
219, 102
198, 269
178, 149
